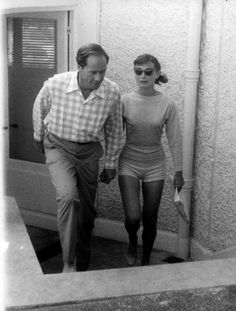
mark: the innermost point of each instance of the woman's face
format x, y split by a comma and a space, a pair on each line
145, 75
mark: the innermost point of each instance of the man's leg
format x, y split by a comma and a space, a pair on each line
87, 174
64, 179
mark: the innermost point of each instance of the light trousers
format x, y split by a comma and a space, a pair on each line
74, 168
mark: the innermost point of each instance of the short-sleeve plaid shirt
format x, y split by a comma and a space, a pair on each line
61, 109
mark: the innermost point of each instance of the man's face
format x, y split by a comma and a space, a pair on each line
92, 75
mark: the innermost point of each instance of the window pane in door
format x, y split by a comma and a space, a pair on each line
32, 42
38, 43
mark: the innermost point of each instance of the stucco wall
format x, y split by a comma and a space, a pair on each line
127, 29
214, 214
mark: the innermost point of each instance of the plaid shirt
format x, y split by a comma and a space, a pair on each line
61, 109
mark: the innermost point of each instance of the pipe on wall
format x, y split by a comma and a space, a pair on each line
190, 102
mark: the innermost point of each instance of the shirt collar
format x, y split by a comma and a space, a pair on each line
73, 86
101, 90
72, 83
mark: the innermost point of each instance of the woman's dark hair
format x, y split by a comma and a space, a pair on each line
89, 49
145, 58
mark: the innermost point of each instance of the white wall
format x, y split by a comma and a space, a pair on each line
214, 214
131, 27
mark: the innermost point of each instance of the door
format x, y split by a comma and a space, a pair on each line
37, 49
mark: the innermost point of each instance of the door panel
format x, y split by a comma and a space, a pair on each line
21, 101
37, 50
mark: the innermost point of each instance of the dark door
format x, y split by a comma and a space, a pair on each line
37, 49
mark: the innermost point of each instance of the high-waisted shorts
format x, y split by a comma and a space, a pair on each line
146, 166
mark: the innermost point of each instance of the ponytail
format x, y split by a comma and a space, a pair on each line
161, 79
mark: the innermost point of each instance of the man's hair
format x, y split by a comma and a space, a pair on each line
89, 49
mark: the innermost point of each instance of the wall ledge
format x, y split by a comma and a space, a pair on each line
27, 287
199, 252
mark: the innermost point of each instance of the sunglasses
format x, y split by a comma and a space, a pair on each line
147, 72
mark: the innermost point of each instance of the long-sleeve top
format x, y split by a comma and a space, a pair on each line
61, 109
145, 118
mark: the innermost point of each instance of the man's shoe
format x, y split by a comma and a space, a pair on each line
145, 261
67, 268
83, 261
80, 267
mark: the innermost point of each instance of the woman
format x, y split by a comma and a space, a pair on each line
142, 161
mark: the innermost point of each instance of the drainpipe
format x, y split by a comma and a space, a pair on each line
190, 101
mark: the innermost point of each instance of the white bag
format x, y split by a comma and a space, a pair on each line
180, 207
177, 202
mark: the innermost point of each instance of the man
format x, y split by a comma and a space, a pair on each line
72, 113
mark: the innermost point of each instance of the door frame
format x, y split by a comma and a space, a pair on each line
29, 182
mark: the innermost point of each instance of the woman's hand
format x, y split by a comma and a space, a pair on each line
178, 180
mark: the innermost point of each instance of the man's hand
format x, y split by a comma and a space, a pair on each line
178, 180
39, 146
107, 175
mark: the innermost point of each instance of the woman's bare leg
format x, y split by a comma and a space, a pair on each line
152, 192
130, 189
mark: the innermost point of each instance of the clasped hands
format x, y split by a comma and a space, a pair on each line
107, 175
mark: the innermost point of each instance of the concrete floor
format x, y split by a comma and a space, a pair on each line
105, 253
